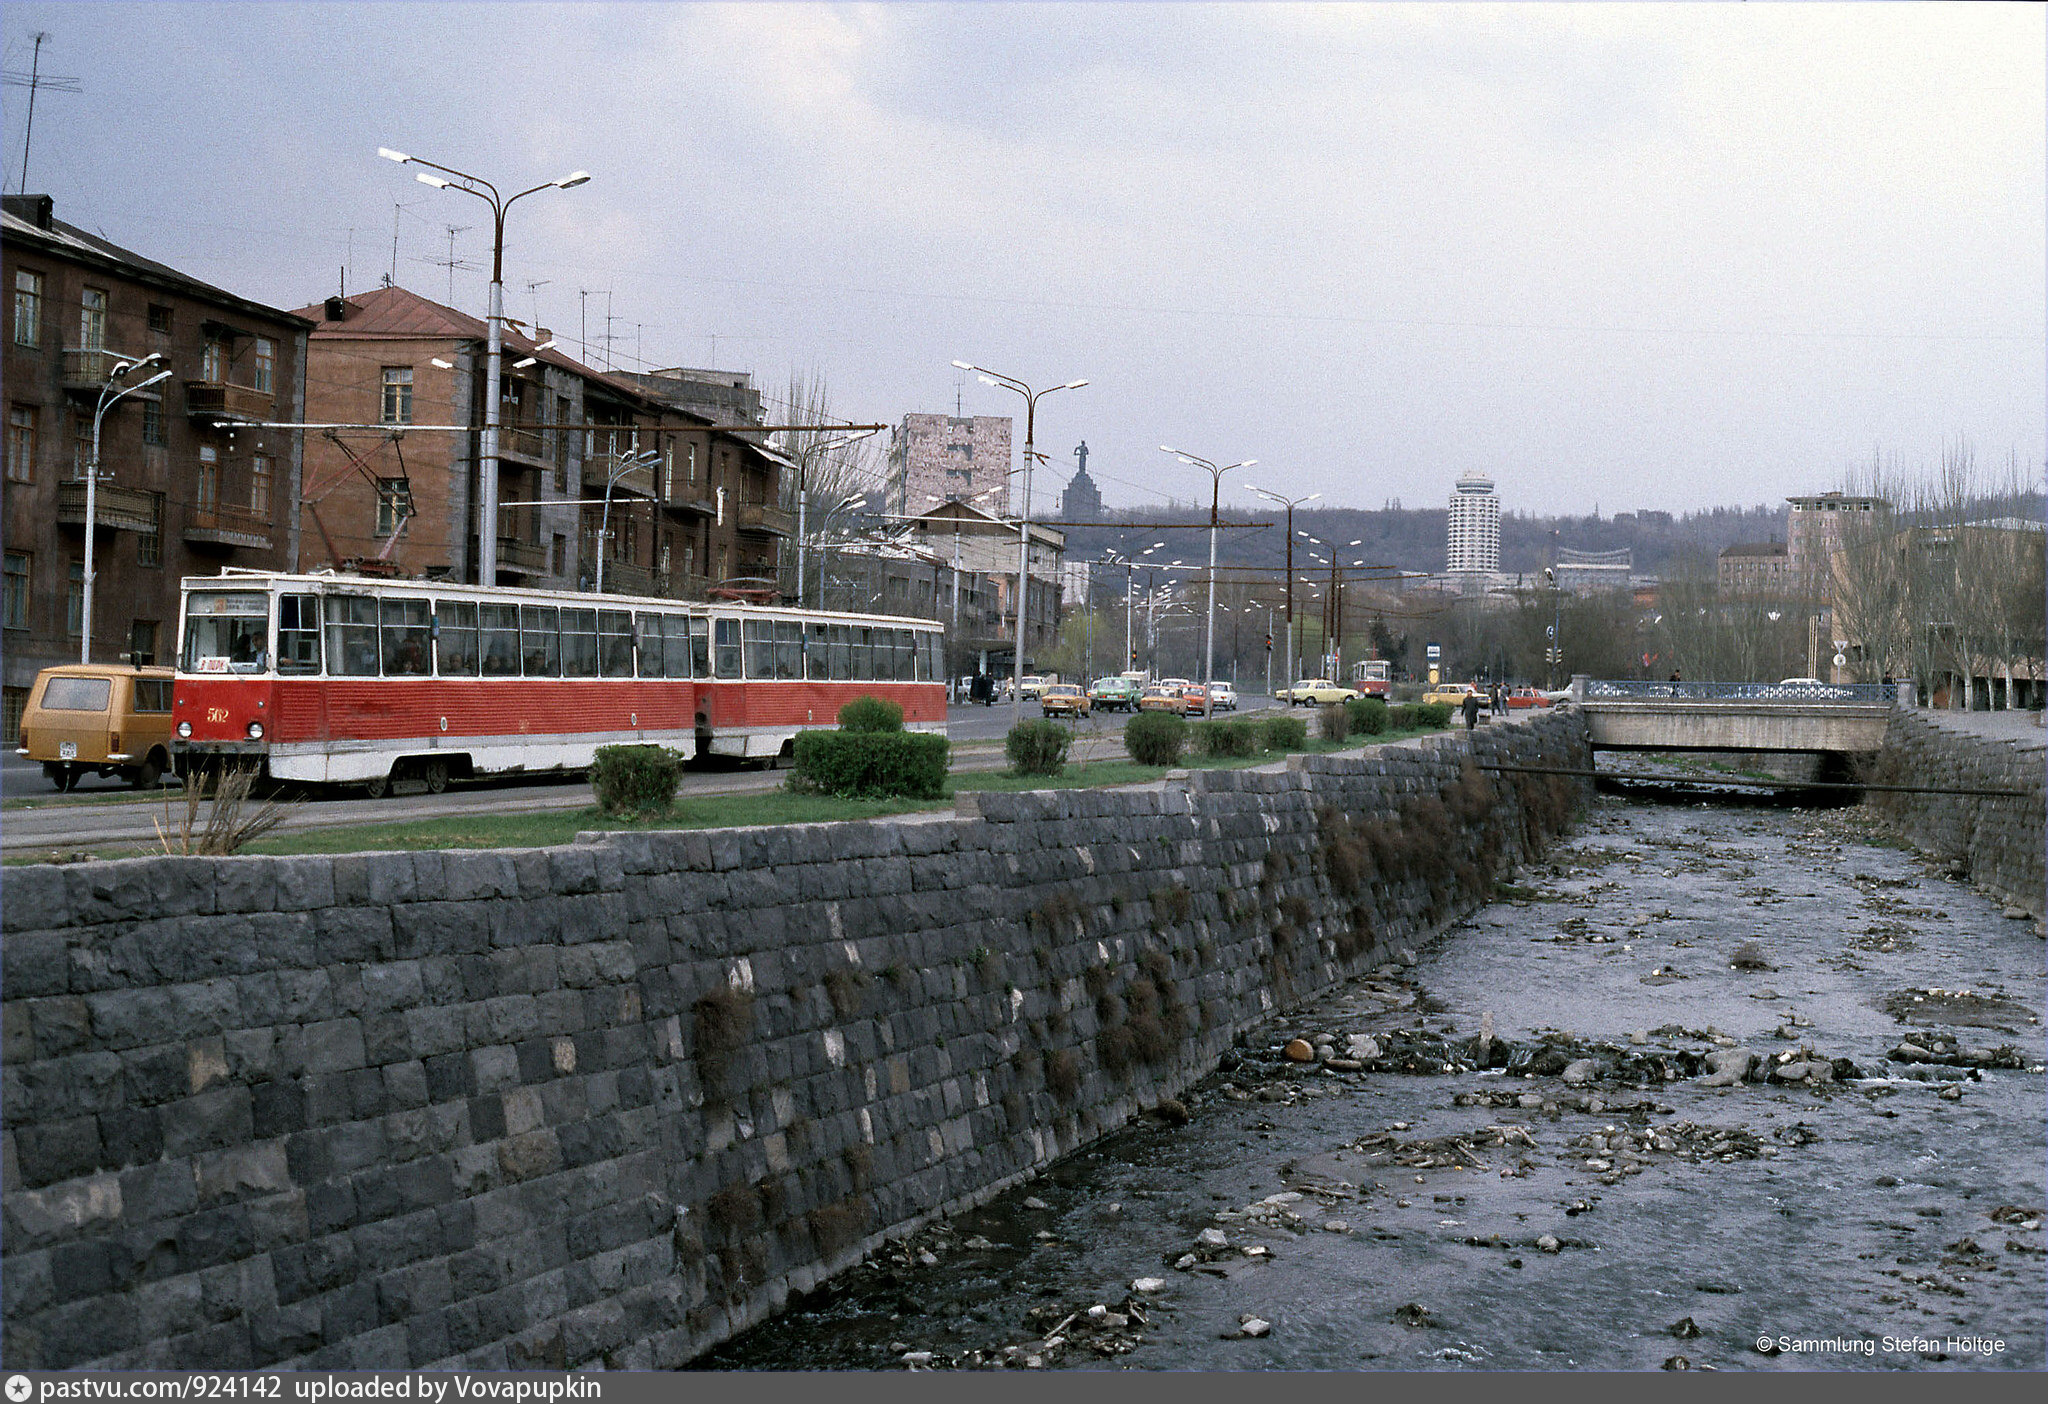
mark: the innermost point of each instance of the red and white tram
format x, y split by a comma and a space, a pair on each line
343, 679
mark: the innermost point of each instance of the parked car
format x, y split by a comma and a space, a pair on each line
1521, 698
1222, 697
109, 719
1454, 694
1315, 692
1034, 683
1063, 699
1116, 694
1163, 699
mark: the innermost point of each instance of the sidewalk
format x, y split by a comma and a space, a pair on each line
2023, 729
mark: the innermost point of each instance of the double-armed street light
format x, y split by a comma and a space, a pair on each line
111, 392
487, 449
803, 496
1216, 472
1290, 503
1031, 397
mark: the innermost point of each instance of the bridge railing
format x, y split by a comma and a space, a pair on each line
1627, 688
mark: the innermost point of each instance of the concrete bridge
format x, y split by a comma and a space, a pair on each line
1706, 716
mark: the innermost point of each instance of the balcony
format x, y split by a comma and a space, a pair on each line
690, 497
522, 557
227, 526
625, 578
529, 444
113, 508
86, 374
214, 399
771, 521
637, 482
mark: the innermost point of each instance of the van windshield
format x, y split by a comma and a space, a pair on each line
77, 694
226, 632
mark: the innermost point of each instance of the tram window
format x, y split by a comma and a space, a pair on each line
728, 648
862, 662
455, 644
817, 654
789, 643
615, 643
906, 660
226, 632
579, 643
675, 634
539, 641
407, 638
920, 643
500, 630
760, 636
885, 656
836, 640
298, 633
647, 641
352, 636
700, 648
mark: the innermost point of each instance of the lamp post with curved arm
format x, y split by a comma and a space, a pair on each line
1031, 398
1290, 504
1216, 472
604, 523
487, 448
109, 395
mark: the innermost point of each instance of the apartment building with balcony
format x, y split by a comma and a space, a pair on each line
189, 478
600, 478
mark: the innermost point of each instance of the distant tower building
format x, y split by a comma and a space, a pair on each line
947, 458
1814, 532
1082, 501
1474, 544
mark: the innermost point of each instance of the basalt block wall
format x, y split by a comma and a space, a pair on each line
1998, 842
604, 1105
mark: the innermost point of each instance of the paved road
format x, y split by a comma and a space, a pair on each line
107, 812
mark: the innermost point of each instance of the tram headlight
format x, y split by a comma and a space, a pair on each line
184, 728
255, 731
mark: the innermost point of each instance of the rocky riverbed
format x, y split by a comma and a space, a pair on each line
1713, 1087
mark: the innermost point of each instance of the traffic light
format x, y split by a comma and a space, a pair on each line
1134, 658
1269, 643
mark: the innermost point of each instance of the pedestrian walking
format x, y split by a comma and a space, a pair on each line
1471, 710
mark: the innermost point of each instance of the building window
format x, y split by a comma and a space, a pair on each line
14, 603
394, 504
206, 490
259, 485
28, 308
559, 558
153, 423
159, 319
142, 642
149, 545
398, 394
21, 444
213, 363
92, 319
690, 463
74, 600
266, 364
81, 445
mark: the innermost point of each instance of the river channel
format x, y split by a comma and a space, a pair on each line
1511, 1154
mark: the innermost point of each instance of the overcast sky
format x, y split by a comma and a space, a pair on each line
1662, 256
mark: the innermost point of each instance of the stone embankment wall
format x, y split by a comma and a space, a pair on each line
1997, 843
609, 1103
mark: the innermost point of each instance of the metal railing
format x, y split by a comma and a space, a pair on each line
225, 524
231, 401
1620, 689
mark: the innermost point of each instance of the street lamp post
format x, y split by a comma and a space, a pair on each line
109, 395
604, 522
487, 449
1031, 397
803, 497
1290, 504
1216, 472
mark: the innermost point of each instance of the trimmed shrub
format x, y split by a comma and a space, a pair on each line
1406, 717
1368, 715
1332, 722
1037, 748
870, 714
1156, 738
1237, 737
635, 779
1284, 733
1434, 714
870, 764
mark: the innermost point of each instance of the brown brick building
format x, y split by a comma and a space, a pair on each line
690, 508
1759, 568
178, 493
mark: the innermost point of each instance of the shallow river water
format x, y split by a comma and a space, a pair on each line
1458, 1205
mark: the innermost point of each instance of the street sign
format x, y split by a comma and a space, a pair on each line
1433, 653
1841, 660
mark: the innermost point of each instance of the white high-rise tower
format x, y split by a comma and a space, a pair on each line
1474, 543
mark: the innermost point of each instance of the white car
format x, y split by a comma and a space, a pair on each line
1222, 697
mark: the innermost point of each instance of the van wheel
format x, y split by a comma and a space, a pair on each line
435, 773
64, 777
377, 786
150, 771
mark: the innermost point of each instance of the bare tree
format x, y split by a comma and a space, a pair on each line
833, 465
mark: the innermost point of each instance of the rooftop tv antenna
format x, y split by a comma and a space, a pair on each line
33, 80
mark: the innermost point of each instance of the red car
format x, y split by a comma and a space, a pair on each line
1194, 700
1521, 698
